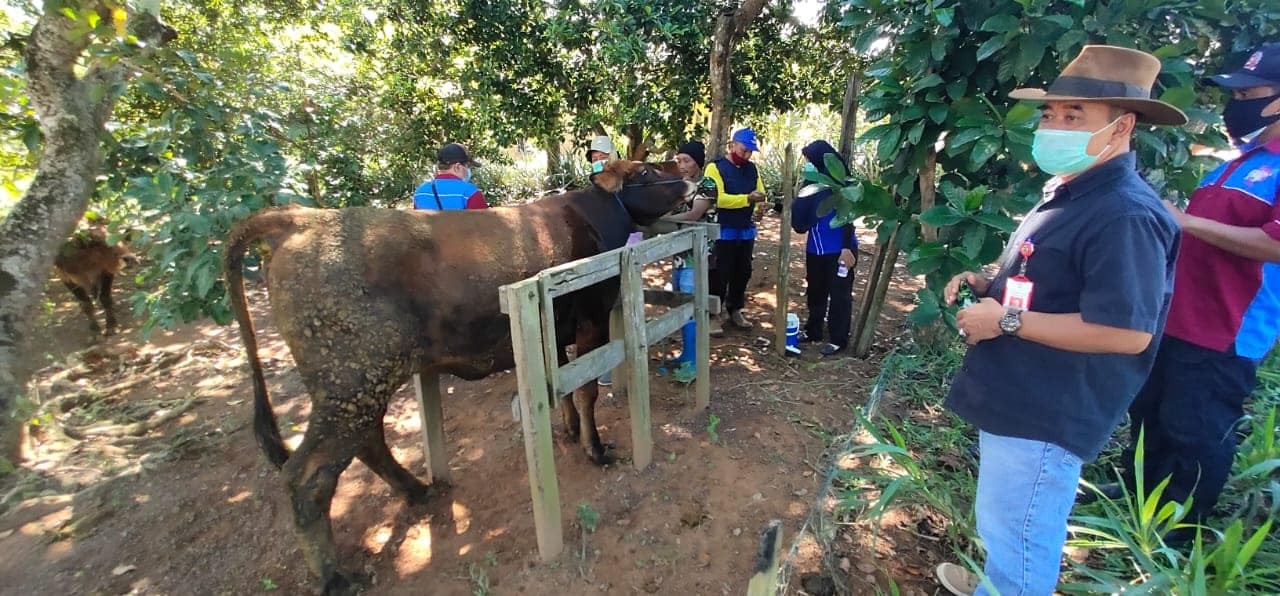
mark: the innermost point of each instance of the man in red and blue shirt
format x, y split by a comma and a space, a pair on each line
1225, 314
452, 188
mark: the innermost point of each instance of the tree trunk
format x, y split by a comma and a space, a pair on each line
65, 179
873, 295
849, 116
554, 157
730, 27
636, 149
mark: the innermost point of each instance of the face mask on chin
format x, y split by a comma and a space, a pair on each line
1065, 152
1243, 117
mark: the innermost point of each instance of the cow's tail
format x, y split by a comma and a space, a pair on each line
257, 226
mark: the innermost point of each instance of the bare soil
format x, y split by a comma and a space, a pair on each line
147, 480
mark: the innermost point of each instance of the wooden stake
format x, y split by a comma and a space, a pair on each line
522, 301
764, 577
701, 321
784, 251
432, 414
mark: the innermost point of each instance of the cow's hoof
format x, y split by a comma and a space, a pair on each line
601, 459
570, 438
345, 584
422, 494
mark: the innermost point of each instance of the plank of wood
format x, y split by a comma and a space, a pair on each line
432, 414
589, 367
701, 306
635, 342
665, 298
668, 322
764, 577
664, 246
535, 415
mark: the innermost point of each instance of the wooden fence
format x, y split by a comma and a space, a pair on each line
541, 380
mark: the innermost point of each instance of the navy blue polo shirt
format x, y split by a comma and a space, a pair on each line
1104, 247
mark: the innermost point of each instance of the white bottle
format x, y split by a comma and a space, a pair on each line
842, 270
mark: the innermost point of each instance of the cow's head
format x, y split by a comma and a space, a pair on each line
646, 190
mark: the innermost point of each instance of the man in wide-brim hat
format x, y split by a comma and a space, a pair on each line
1062, 337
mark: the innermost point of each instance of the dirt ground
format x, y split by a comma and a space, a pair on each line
148, 480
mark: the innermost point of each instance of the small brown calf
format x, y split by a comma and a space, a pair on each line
87, 264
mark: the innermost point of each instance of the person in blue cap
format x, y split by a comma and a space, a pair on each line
739, 189
451, 189
831, 253
1225, 314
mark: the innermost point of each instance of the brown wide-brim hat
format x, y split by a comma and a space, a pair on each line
1119, 77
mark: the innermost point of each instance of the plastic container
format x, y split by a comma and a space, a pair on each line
793, 333
842, 270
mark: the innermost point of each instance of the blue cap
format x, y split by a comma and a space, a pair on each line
1262, 69
747, 137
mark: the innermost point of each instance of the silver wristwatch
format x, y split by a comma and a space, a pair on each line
1011, 322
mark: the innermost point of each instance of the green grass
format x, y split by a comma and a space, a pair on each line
917, 457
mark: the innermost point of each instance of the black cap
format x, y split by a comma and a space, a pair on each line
695, 150
1261, 69
455, 153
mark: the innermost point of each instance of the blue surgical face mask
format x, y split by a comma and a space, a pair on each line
467, 177
808, 168
1065, 152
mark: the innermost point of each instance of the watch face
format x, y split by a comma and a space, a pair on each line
1010, 322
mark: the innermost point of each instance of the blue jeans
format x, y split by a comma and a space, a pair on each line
1025, 492
682, 281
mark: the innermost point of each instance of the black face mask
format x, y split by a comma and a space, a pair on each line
1243, 116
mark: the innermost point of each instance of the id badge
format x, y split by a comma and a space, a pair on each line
1017, 293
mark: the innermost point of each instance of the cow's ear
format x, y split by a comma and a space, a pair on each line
607, 180
613, 174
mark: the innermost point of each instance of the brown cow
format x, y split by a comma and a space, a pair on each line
87, 265
366, 297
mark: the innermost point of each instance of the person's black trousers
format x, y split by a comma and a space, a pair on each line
1189, 407
830, 298
733, 264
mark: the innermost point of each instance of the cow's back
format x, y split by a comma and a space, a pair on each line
432, 277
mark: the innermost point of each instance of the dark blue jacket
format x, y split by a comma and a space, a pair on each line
823, 238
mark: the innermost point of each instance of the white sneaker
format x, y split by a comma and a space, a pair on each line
957, 579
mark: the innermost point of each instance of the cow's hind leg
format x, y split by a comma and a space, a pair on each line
104, 298
568, 413
589, 337
375, 454
86, 306
311, 476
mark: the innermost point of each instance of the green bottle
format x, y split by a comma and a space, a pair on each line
966, 297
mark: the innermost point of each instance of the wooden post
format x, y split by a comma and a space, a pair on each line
702, 322
784, 251
432, 415
535, 415
764, 577
849, 116
637, 359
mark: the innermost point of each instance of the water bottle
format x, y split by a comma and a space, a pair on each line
793, 333
966, 297
842, 270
